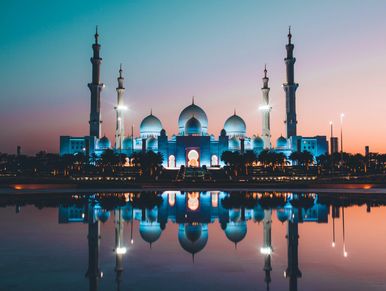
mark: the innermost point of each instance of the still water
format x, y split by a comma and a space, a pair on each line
176, 240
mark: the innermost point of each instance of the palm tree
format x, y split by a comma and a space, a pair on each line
148, 163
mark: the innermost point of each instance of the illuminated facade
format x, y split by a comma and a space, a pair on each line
193, 146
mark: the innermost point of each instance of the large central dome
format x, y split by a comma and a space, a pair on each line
193, 111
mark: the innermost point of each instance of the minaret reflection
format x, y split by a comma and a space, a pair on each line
334, 214
93, 272
293, 272
120, 249
267, 246
345, 254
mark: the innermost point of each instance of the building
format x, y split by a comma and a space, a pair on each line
193, 145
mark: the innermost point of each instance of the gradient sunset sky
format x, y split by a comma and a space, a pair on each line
172, 50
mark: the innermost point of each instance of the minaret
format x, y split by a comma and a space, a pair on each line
290, 89
120, 108
266, 109
95, 88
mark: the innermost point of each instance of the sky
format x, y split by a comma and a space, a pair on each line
173, 50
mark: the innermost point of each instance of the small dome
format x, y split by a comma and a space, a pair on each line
234, 144
150, 231
281, 142
223, 132
235, 126
104, 143
236, 231
193, 127
188, 113
151, 144
282, 214
258, 213
258, 143
127, 213
127, 143
150, 126
193, 238
103, 215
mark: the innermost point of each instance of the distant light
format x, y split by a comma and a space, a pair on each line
264, 107
122, 108
82, 215
330, 122
83, 149
132, 241
345, 254
121, 250
333, 244
266, 251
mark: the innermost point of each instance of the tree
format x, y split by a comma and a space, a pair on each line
149, 162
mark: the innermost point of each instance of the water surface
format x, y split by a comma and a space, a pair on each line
193, 241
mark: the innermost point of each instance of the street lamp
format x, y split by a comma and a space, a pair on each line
341, 136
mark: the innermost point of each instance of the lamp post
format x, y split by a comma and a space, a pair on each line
331, 146
341, 137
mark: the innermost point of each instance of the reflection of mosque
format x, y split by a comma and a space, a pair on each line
193, 211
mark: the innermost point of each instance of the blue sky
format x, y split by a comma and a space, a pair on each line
171, 50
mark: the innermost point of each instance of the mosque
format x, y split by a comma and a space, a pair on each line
193, 146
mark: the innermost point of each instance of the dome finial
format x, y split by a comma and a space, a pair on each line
234, 111
193, 258
265, 70
192, 100
151, 111
236, 246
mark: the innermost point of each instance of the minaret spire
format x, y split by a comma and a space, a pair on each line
95, 88
266, 110
120, 109
289, 34
290, 89
96, 35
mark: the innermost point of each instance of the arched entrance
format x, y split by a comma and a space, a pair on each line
172, 161
214, 160
193, 158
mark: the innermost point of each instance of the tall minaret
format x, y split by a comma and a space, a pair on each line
95, 88
266, 109
290, 89
120, 108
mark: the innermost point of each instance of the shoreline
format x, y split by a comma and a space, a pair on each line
72, 188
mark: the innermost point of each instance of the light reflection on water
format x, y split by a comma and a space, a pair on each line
193, 240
